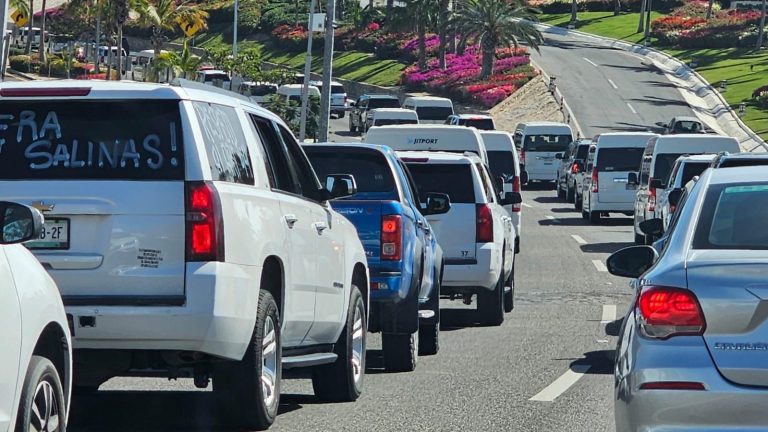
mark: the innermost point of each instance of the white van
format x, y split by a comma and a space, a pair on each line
420, 137
607, 189
504, 162
21, 39
258, 92
431, 109
391, 116
540, 143
292, 92
212, 76
658, 158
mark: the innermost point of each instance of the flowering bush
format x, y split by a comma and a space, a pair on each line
687, 27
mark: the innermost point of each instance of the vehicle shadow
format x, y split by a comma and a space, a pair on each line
574, 221
539, 186
599, 362
614, 327
564, 210
548, 200
458, 319
608, 248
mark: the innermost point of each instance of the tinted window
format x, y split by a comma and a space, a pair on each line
452, 179
433, 113
383, 103
691, 170
687, 127
276, 159
482, 124
663, 165
733, 218
501, 163
303, 172
736, 162
335, 89
619, 159
225, 143
370, 168
263, 90
581, 152
217, 76
547, 143
98, 140
388, 122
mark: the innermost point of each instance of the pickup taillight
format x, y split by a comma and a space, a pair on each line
391, 237
204, 224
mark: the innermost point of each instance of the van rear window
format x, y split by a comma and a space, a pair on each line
374, 103
547, 143
452, 179
91, 140
619, 159
434, 113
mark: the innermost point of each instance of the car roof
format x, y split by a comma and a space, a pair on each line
473, 116
543, 123
739, 175
378, 96
697, 158
440, 157
761, 155
378, 147
393, 110
428, 98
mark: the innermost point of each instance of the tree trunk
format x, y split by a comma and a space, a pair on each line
761, 29
574, 12
119, 52
617, 7
43, 45
641, 24
422, 32
461, 47
390, 9
29, 26
709, 9
443, 32
109, 57
488, 56
296, 12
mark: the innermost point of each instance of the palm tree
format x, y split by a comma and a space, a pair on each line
164, 15
29, 26
709, 9
424, 12
443, 26
497, 23
187, 61
761, 28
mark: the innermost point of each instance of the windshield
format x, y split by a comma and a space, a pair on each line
733, 218
452, 179
619, 159
370, 168
433, 113
546, 143
388, 122
687, 127
502, 163
482, 124
383, 103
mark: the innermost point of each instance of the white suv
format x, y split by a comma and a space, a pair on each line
36, 357
477, 235
189, 236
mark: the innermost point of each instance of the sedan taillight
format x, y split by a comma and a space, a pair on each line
665, 312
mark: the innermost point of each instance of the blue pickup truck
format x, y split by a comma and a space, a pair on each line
404, 258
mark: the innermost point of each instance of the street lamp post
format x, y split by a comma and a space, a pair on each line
307, 72
5, 39
234, 31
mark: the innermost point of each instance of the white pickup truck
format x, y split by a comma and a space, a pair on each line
189, 237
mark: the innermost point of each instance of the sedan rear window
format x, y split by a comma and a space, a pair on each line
370, 168
619, 159
691, 170
453, 179
374, 103
733, 217
91, 140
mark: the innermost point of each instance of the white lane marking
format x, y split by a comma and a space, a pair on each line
527, 205
563, 383
550, 217
578, 239
599, 266
590, 62
613, 84
609, 314
631, 108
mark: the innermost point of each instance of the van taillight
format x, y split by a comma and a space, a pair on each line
204, 227
522, 157
484, 233
575, 168
651, 198
666, 312
391, 237
595, 185
516, 208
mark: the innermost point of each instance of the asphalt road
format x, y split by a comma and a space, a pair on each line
609, 89
482, 379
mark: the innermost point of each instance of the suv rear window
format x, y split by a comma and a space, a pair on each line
453, 179
374, 103
225, 143
733, 217
91, 140
547, 143
691, 170
482, 124
336, 89
582, 151
619, 159
433, 113
371, 171
502, 163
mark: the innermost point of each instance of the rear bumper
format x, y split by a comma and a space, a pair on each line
398, 285
483, 274
218, 317
623, 207
542, 175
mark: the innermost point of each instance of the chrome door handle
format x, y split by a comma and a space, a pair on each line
320, 226
291, 220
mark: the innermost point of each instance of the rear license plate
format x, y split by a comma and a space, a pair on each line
631, 186
54, 235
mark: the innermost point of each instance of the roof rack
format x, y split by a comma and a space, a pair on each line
187, 84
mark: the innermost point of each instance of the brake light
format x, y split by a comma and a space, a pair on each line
45, 92
415, 160
391, 237
516, 208
672, 208
667, 312
484, 232
522, 157
672, 385
204, 229
575, 168
595, 186
651, 198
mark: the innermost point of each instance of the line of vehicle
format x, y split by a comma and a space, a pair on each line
609, 314
578, 239
613, 84
563, 383
590, 62
599, 266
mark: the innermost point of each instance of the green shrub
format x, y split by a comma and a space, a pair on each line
20, 63
56, 67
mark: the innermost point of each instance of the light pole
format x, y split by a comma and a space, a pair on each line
307, 72
325, 97
5, 39
234, 31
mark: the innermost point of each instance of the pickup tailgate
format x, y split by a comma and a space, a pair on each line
366, 217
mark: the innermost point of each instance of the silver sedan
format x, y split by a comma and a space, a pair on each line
693, 348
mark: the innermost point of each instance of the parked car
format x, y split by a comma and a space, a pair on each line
292, 92
540, 144
684, 125
391, 116
404, 257
361, 109
504, 165
198, 242
694, 334
612, 165
580, 177
429, 137
339, 98
214, 77
730, 160
683, 171
658, 157
572, 163
431, 109
476, 235
481, 122
36, 359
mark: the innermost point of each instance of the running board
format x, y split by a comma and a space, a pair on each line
426, 314
308, 360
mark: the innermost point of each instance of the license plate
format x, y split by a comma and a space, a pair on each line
54, 235
631, 186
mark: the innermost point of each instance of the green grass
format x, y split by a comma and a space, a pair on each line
350, 65
622, 27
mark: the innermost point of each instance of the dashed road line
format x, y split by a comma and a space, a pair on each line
550, 217
609, 314
527, 205
590, 62
562, 384
578, 239
631, 108
613, 84
599, 266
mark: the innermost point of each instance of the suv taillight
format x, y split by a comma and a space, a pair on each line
651, 198
575, 168
391, 237
204, 227
595, 185
516, 188
484, 233
667, 312
522, 157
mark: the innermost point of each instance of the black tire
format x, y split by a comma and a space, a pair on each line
639, 239
342, 381
429, 329
490, 304
569, 194
509, 297
341, 114
560, 192
594, 217
41, 374
577, 202
401, 352
238, 384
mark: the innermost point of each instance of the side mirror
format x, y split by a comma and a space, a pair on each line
559, 156
437, 203
656, 184
652, 227
352, 103
340, 185
511, 198
632, 262
674, 196
632, 178
19, 223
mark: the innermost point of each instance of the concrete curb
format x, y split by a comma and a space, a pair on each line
568, 115
20, 74
704, 99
